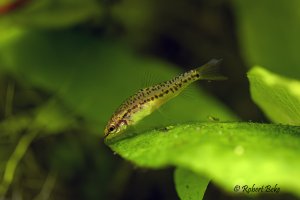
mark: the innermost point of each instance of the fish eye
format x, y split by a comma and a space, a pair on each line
112, 128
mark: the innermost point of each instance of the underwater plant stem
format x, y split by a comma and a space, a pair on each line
14, 160
47, 187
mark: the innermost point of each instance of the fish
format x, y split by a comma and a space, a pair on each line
147, 100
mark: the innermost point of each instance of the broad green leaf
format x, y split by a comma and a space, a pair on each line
277, 96
269, 34
190, 186
227, 153
95, 76
52, 13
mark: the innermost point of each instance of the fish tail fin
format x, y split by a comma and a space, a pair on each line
210, 71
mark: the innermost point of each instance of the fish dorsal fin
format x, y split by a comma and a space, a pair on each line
148, 79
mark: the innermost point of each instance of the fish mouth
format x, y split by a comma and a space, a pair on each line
106, 133
106, 137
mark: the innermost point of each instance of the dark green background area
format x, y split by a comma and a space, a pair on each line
66, 65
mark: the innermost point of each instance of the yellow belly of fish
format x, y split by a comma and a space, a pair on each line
148, 108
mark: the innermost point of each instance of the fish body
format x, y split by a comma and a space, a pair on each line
146, 100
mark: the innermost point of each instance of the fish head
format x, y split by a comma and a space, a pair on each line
114, 127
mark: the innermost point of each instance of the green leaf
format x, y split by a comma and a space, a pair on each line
189, 186
277, 96
228, 153
269, 34
52, 13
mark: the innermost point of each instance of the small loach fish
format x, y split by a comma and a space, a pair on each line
146, 100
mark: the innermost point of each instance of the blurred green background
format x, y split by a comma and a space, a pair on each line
66, 65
